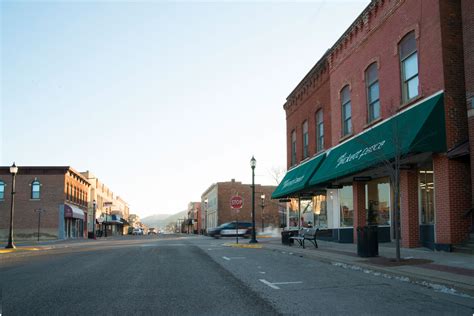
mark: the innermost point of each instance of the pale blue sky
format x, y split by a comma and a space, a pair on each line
159, 99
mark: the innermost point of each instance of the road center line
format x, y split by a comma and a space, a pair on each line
295, 282
225, 258
269, 284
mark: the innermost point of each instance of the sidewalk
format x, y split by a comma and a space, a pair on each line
420, 265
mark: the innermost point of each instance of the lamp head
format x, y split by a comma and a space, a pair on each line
13, 169
253, 162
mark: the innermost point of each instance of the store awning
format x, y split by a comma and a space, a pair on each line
71, 211
297, 179
418, 129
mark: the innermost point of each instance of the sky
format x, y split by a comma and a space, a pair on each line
158, 99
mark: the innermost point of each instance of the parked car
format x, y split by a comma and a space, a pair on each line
229, 230
151, 231
137, 231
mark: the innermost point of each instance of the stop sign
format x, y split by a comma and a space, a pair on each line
236, 202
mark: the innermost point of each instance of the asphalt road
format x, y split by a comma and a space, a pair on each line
202, 276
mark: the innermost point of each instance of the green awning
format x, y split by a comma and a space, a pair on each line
297, 178
420, 128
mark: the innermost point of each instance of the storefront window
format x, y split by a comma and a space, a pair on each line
320, 211
347, 206
307, 215
426, 185
294, 213
377, 201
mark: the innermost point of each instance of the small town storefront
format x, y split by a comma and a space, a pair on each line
75, 225
355, 183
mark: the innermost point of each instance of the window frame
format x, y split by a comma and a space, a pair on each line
2, 192
35, 195
293, 147
305, 139
405, 81
345, 127
319, 118
369, 84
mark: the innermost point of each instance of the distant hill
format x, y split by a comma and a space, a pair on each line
161, 220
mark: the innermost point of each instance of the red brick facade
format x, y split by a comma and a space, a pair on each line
444, 44
53, 193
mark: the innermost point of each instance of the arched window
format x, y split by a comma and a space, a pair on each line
35, 189
2, 190
346, 108
409, 66
373, 93
305, 140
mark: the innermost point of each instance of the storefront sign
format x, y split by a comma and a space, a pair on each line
345, 158
293, 181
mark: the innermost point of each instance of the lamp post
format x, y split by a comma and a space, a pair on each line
262, 198
253, 163
13, 171
39, 211
94, 206
206, 201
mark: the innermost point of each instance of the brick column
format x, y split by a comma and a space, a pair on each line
452, 200
358, 193
409, 217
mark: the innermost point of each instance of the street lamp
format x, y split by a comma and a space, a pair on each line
94, 206
253, 163
262, 198
13, 171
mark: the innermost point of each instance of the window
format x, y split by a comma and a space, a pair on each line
35, 189
426, 193
347, 206
2, 190
319, 131
346, 111
373, 93
293, 148
305, 140
377, 201
67, 191
409, 67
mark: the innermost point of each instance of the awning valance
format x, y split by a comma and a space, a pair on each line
297, 179
418, 129
71, 211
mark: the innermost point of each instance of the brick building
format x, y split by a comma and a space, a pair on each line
390, 95
61, 193
215, 202
194, 219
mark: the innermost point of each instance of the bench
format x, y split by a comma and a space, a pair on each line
306, 234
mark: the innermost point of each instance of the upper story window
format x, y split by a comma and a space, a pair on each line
409, 67
305, 140
35, 189
319, 131
346, 111
373, 93
2, 190
293, 148
67, 191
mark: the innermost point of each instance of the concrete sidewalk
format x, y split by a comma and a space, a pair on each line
420, 265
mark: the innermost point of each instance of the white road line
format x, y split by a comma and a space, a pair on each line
269, 284
262, 272
225, 258
237, 257
295, 282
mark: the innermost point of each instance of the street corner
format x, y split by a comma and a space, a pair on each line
235, 245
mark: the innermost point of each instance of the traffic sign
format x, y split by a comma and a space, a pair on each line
236, 202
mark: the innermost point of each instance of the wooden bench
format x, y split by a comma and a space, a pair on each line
306, 234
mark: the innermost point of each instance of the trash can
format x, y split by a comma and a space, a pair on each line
367, 241
285, 237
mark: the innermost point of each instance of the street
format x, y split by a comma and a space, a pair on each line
171, 275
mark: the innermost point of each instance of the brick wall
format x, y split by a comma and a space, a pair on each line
409, 215
468, 38
228, 189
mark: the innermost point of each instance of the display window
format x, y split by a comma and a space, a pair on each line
377, 201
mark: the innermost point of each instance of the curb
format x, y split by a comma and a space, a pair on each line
234, 245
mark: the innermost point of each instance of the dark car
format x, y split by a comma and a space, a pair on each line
229, 230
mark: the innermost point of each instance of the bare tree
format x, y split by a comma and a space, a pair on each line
277, 174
